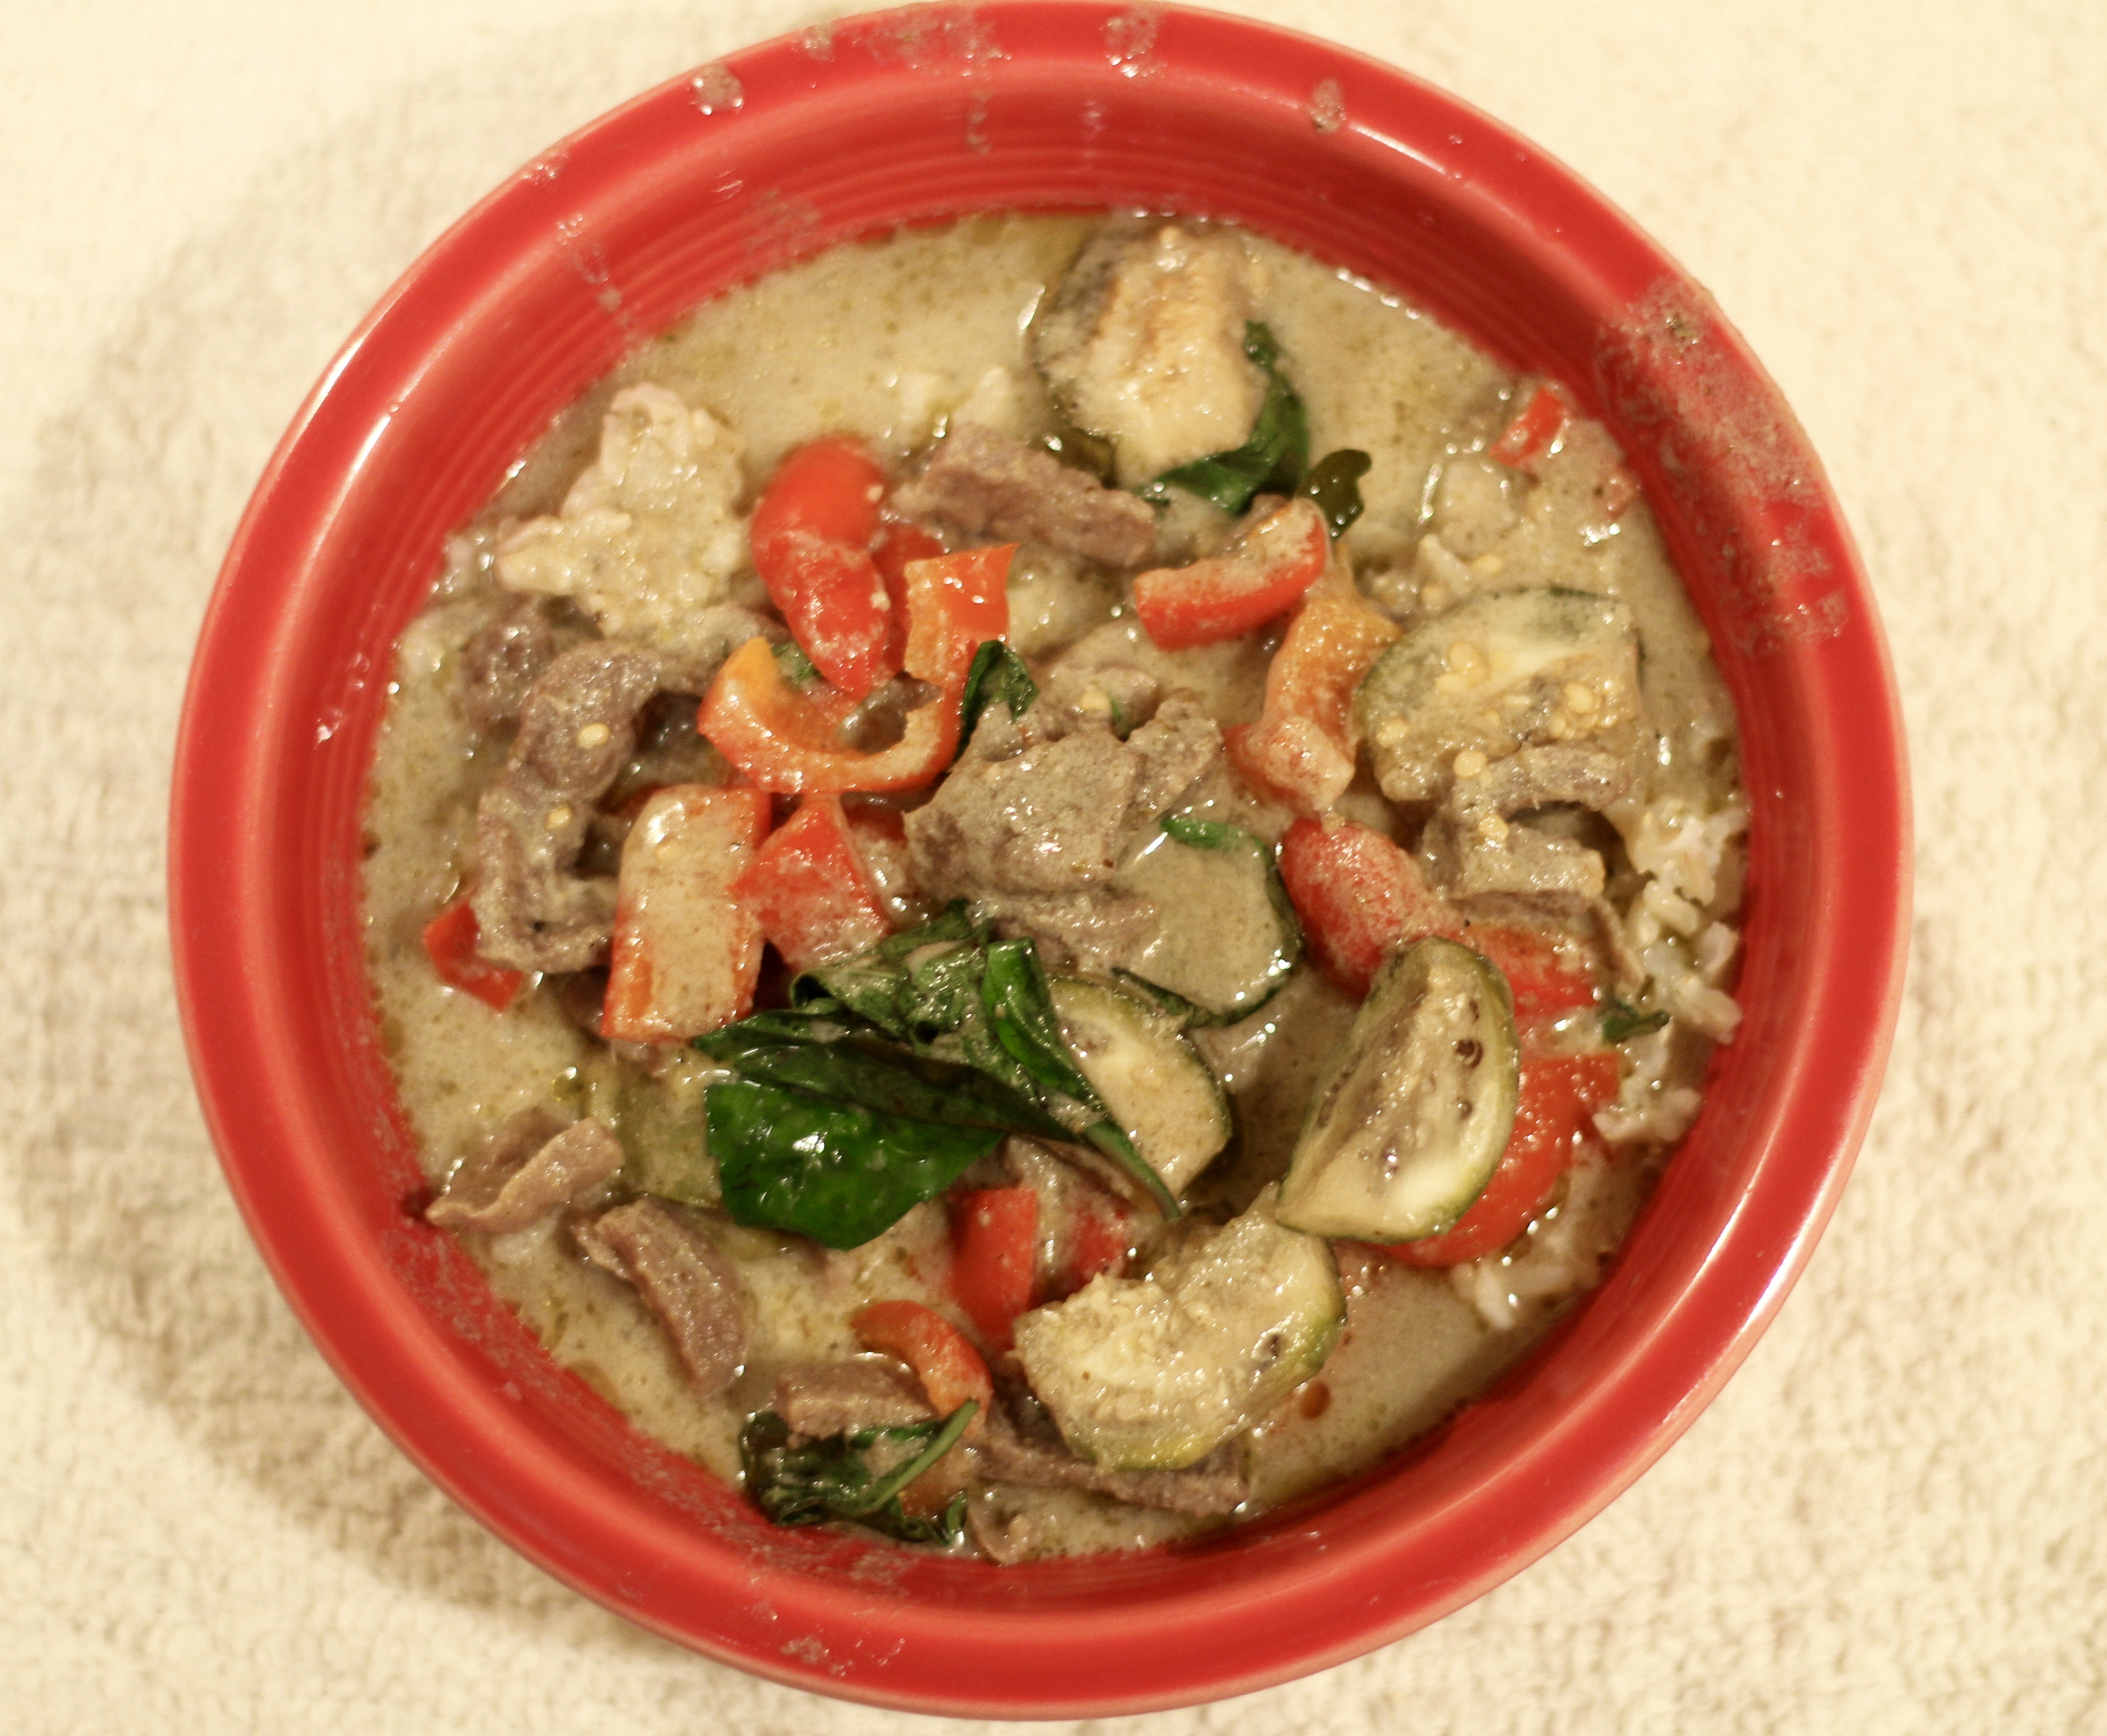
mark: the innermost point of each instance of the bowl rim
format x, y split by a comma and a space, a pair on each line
1308, 1589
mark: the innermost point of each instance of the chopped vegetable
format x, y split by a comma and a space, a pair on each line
811, 535
1497, 673
1334, 483
1224, 969
1098, 1240
1559, 1096
1277, 554
840, 1478
1409, 1117
1359, 896
995, 1245
808, 886
1300, 752
834, 1171
1533, 432
997, 675
950, 1369
1275, 456
1153, 1372
685, 954
1545, 981
1621, 1022
1164, 1097
788, 741
450, 942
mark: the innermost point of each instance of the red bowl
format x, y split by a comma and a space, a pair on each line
764, 158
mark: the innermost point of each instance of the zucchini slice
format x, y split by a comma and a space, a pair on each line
1495, 674
1165, 1099
1155, 1372
1229, 938
1411, 1114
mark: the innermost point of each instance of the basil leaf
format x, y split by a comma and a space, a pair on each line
836, 1171
798, 669
1334, 483
878, 1076
834, 1478
1622, 1020
997, 673
1273, 457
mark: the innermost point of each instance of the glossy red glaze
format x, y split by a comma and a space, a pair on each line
700, 184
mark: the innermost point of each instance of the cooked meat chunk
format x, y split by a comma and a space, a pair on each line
1474, 851
1216, 1485
534, 1164
1144, 344
503, 661
989, 484
1040, 813
819, 1399
685, 1281
576, 730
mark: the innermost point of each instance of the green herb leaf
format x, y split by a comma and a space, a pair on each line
875, 1076
1273, 458
840, 1477
997, 673
1622, 1020
1334, 483
798, 669
836, 1171
1208, 835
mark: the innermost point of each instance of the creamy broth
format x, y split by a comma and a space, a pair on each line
897, 342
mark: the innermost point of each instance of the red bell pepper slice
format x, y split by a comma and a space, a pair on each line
811, 535
451, 939
950, 1370
899, 543
1359, 896
1535, 429
1277, 554
995, 1247
1544, 981
808, 887
1099, 1239
686, 954
1300, 752
786, 740
1560, 1094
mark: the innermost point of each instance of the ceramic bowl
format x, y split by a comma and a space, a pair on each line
762, 159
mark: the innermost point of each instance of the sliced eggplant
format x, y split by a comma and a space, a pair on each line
1411, 1114
1163, 1096
1154, 1373
1229, 939
1516, 669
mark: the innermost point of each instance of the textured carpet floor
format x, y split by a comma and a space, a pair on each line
1894, 1519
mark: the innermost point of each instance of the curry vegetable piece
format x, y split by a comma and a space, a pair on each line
1162, 1095
1230, 940
1153, 1372
1409, 1117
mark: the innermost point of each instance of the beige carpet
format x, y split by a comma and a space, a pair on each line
1896, 1517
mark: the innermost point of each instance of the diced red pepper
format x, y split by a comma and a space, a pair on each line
899, 542
686, 954
1543, 980
786, 741
1559, 1096
1098, 1241
811, 535
1277, 554
1300, 752
995, 1243
950, 1370
451, 939
1533, 431
808, 887
1360, 896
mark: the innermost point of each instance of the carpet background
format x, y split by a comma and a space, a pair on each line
1895, 1517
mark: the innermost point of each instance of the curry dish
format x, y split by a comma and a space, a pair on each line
1042, 883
